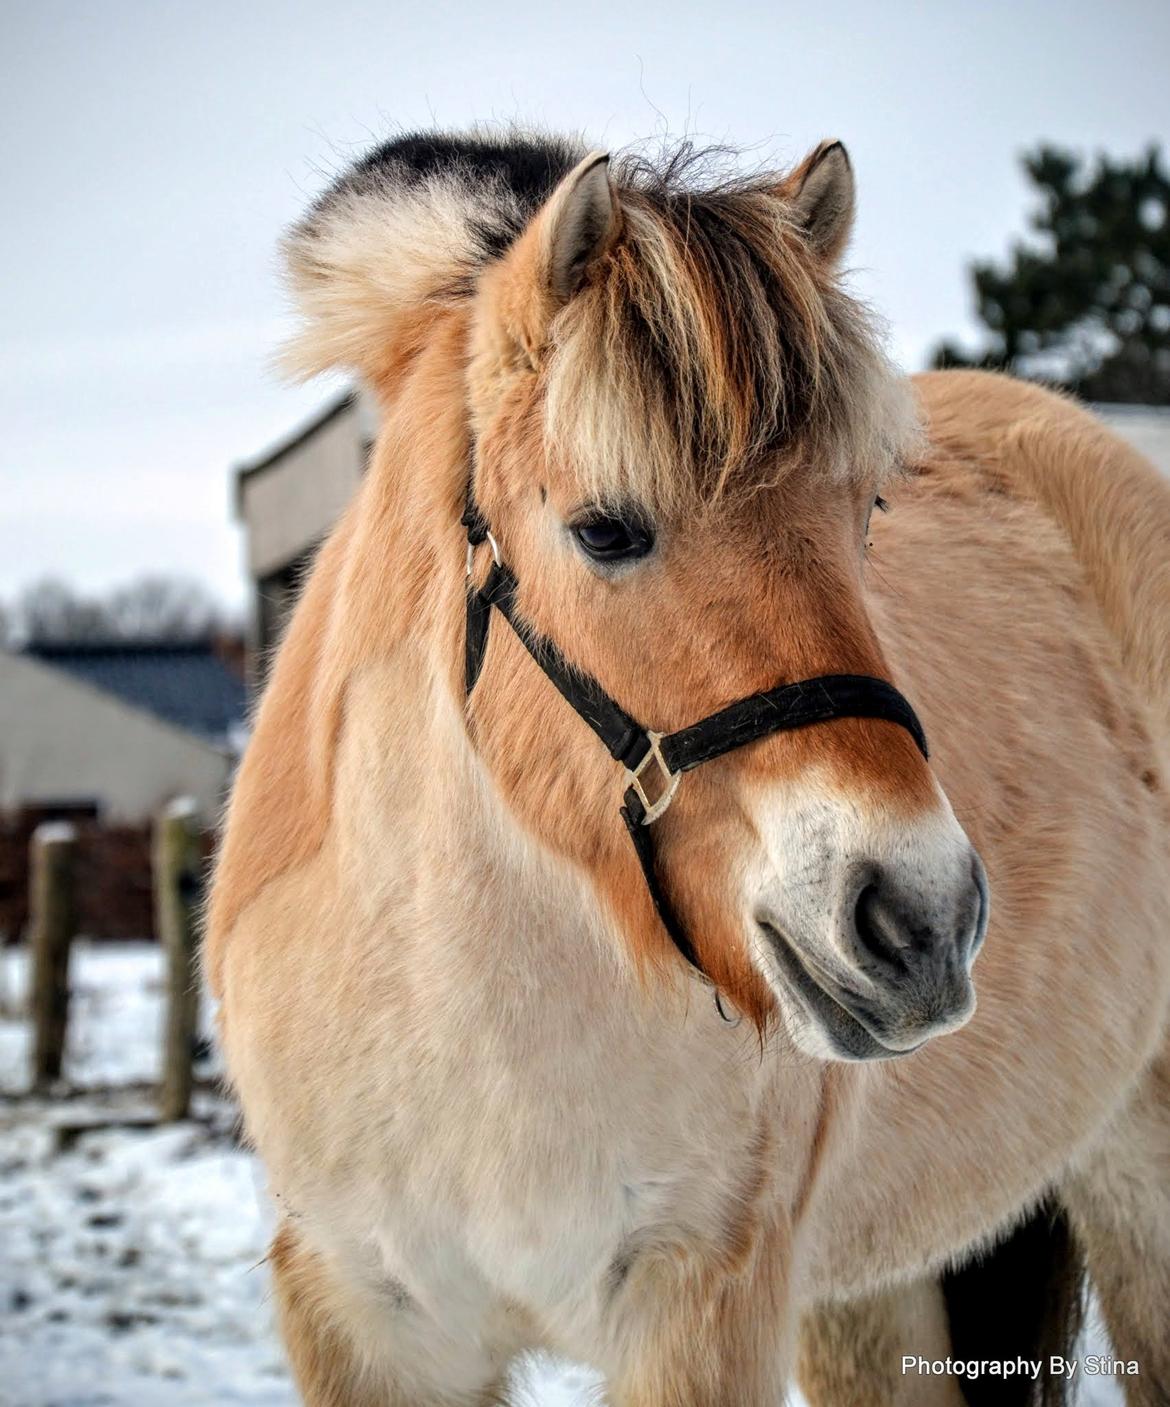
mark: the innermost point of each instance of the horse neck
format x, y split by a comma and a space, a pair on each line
416, 816
430, 851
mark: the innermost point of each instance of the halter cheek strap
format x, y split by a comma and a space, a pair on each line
655, 762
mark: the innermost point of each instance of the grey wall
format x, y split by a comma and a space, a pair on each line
290, 504
61, 739
1146, 428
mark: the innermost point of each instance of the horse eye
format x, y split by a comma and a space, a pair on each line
606, 538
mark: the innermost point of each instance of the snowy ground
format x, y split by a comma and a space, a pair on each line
131, 1256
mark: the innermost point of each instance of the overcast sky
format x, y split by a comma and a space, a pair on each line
151, 152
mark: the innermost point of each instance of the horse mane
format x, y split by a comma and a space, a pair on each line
709, 342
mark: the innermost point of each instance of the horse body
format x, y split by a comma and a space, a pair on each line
491, 1124
471, 1104
1044, 740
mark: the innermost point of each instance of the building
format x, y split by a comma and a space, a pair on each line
111, 732
289, 498
1146, 427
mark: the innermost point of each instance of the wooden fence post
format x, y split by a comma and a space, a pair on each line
178, 893
52, 920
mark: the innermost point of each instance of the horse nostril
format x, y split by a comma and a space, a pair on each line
897, 924
874, 924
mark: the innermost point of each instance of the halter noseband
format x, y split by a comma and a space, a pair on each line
650, 757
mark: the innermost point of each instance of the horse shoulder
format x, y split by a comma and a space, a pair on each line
280, 806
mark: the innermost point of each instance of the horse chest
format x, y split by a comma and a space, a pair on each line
539, 1180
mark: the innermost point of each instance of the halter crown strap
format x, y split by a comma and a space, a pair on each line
778, 710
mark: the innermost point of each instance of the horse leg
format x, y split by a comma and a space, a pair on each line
683, 1330
344, 1351
850, 1353
1119, 1203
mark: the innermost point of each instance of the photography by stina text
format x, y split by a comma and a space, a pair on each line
1093, 1365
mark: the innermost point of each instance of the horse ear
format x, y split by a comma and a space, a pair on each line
577, 225
550, 262
821, 195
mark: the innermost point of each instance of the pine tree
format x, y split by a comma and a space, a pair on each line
1087, 303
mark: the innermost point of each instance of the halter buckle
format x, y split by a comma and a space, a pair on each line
669, 780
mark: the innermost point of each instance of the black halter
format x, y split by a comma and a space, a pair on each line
652, 758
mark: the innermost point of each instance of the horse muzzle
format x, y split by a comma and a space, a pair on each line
884, 964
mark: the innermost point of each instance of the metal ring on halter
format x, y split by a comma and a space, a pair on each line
492, 543
723, 1016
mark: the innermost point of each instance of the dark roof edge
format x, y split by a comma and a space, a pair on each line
199, 644
246, 468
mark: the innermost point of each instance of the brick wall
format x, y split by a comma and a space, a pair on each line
114, 892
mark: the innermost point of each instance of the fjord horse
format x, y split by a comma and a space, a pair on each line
519, 1083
